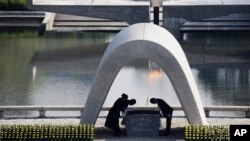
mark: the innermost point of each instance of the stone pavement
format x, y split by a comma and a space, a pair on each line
104, 134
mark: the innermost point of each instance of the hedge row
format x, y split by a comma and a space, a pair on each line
46, 132
6, 5
207, 133
23, 2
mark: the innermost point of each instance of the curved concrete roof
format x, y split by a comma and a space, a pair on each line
145, 41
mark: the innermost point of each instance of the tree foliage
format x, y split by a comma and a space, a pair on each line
7, 5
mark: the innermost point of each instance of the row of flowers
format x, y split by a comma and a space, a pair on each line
47, 132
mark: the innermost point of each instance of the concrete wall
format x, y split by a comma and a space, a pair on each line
174, 16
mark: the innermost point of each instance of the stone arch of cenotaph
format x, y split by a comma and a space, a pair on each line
145, 41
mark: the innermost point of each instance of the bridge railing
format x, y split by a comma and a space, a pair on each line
43, 109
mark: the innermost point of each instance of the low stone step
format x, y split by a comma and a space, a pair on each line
21, 16
19, 24
213, 29
216, 24
17, 16
72, 18
64, 22
87, 28
21, 21
22, 13
90, 24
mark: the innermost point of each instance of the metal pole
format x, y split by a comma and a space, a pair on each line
156, 4
156, 15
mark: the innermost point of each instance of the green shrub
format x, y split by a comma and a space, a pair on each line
21, 2
7, 5
46, 132
207, 133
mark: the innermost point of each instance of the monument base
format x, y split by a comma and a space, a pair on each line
142, 123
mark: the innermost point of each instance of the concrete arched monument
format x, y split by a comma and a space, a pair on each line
145, 41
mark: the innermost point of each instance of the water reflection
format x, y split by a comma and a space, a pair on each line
18, 51
59, 68
222, 64
63, 81
217, 48
229, 86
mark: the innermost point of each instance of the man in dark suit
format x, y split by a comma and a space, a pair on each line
120, 105
166, 110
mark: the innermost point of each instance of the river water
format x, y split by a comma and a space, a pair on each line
58, 69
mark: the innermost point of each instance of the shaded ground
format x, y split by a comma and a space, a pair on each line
104, 134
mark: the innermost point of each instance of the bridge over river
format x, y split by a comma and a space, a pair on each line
177, 16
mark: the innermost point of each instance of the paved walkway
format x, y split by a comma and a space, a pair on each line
104, 134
